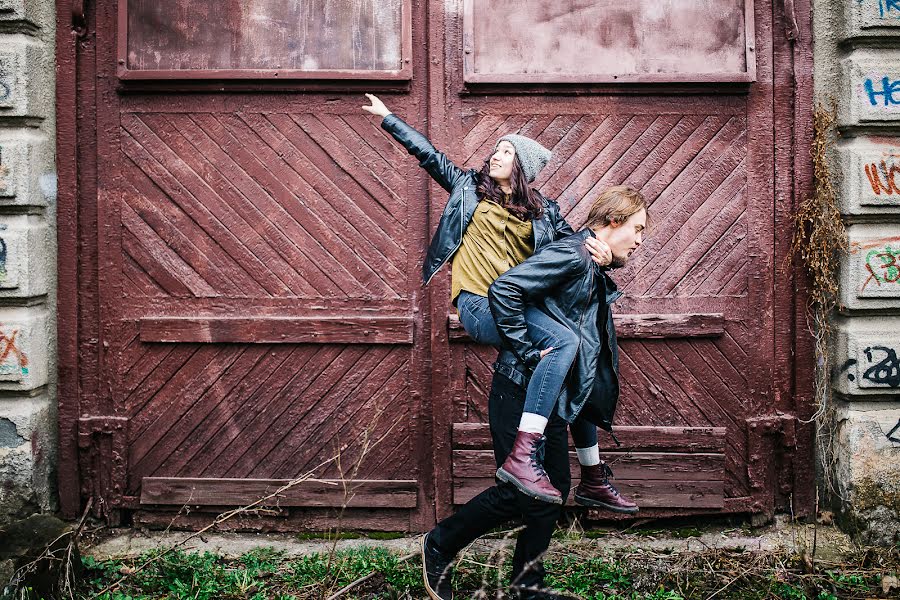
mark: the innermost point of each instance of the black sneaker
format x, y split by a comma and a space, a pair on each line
436, 571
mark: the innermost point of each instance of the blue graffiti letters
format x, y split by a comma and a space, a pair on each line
888, 89
886, 6
885, 372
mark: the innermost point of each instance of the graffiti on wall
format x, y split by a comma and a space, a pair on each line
894, 434
880, 264
886, 8
4, 172
884, 366
880, 366
887, 95
3, 273
12, 360
882, 175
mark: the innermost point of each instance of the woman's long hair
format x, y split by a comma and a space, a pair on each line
524, 202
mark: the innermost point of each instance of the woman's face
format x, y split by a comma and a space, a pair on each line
501, 162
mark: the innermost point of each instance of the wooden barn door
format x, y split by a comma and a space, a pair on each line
622, 93
259, 242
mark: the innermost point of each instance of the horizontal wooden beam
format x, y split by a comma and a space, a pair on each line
646, 326
645, 492
330, 493
477, 436
631, 465
275, 330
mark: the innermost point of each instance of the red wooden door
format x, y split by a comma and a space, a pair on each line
242, 247
701, 419
258, 314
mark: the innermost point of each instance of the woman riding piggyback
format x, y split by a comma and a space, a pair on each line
493, 221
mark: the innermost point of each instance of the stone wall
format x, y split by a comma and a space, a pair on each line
27, 258
857, 64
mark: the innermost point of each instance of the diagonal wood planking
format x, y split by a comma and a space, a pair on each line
240, 205
692, 169
265, 411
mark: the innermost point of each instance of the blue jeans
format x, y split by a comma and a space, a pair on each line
550, 375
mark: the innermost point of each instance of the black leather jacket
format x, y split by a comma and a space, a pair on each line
463, 199
563, 281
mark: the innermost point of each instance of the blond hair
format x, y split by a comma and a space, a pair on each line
615, 205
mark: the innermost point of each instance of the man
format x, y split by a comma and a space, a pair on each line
562, 280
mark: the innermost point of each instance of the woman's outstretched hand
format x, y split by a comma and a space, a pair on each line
378, 108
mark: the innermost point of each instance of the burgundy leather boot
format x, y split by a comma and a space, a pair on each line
524, 468
596, 491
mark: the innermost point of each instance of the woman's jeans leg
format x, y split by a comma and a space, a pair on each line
551, 372
476, 318
544, 332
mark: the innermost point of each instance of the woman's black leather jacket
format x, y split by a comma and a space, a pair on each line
463, 199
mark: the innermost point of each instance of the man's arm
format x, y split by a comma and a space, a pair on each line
526, 283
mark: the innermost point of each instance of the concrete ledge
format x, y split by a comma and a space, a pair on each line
869, 174
23, 348
26, 68
25, 257
870, 18
865, 357
27, 172
869, 91
37, 14
870, 272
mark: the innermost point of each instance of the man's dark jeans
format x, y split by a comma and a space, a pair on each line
502, 503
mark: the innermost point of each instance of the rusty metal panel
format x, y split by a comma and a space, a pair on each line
264, 38
608, 41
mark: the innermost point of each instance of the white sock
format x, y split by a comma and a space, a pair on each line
532, 423
589, 457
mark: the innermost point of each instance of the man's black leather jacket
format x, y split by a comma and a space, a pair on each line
463, 199
562, 280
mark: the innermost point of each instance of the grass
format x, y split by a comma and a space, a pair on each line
580, 567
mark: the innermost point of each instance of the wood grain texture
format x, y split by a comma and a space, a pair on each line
285, 330
334, 493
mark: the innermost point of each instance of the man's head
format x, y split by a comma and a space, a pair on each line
619, 218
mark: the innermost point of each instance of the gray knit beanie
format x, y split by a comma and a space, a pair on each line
532, 155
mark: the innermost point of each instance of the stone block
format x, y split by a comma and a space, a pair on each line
869, 176
867, 469
27, 456
26, 256
26, 84
871, 18
31, 12
870, 272
865, 357
27, 171
869, 91
23, 347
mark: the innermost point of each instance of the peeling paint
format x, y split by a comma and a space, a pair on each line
9, 434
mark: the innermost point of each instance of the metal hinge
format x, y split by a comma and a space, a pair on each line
765, 435
791, 27
103, 462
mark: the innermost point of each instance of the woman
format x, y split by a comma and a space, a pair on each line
492, 222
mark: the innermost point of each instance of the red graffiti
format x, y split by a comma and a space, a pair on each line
8, 346
889, 185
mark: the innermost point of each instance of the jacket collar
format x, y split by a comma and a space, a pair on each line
609, 286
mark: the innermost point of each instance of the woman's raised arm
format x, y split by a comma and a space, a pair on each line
436, 163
